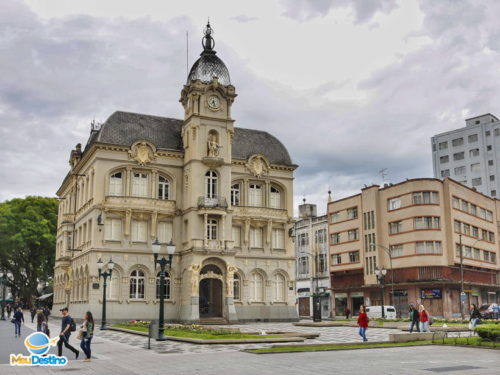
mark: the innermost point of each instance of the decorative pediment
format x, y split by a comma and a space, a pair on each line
258, 165
142, 152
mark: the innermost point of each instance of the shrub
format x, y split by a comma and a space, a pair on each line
489, 331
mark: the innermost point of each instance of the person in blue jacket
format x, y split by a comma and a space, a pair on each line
18, 318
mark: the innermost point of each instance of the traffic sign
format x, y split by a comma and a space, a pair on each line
462, 297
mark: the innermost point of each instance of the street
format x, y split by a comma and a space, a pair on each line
115, 355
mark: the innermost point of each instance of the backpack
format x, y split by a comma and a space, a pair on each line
72, 326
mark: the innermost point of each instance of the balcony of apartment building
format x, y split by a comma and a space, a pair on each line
260, 213
213, 202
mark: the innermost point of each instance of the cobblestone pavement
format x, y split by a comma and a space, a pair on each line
327, 334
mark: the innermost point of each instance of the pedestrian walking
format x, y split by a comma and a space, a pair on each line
496, 310
67, 325
424, 318
33, 313
363, 322
9, 310
414, 319
87, 329
41, 324
347, 312
17, 319
475, 316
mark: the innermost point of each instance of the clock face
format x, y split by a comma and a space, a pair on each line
213, 102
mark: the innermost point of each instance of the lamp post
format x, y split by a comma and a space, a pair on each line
388, 251
163, 262
3, 279
380, 273
104, 275
462, 289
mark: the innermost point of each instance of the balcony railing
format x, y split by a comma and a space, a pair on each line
214, 202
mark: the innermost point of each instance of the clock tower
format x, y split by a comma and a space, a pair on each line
207, 137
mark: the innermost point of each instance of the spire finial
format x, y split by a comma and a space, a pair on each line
329, 194
208, 42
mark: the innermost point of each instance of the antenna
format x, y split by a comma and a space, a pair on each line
187, 52
383, 173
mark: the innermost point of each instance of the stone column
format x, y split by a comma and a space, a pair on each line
205, 231
128, 181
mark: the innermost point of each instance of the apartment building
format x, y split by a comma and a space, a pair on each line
414, 230
310, 234
470, 155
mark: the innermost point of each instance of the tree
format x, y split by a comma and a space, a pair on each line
27, 243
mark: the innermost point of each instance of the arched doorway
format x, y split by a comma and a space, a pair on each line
210, 292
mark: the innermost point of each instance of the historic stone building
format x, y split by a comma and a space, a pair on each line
224, 195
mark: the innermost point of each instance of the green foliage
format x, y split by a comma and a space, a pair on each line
27, 242
488, 331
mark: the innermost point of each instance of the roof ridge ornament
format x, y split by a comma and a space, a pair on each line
208, 41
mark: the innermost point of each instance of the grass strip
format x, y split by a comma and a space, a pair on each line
462, 341
198, 335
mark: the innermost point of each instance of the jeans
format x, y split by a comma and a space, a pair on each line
64, 340
85, 345
362, 333
17, 327
425, 326
414, 324
474, 322
496, 315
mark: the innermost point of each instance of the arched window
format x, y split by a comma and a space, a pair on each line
115, 184
255, 195
275, 198
166, 295
137, 284
163, 188
236, 287
211, 229
279, 288
256, 287
140, 184
211, 184
235, 195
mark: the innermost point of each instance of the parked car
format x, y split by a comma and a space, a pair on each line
486, 311
376, 312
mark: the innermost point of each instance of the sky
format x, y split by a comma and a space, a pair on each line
351, 87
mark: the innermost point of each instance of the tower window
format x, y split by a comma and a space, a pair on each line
140, 185
212, 229
275, 198
255, 195
115, 184
211, 184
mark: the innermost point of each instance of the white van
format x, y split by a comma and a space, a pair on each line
376, 312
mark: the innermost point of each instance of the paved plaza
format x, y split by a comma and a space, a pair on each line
121, 353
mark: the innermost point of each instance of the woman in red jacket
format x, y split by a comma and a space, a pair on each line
363, 322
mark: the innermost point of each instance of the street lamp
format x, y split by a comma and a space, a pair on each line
163, 262
3, 280
388, 251
104, 275
462, 290
380, 273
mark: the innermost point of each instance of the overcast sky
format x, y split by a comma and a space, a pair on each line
349, 86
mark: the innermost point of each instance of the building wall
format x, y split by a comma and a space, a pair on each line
481, 133
399, 230
265, 272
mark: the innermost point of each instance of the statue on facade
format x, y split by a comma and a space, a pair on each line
213, 146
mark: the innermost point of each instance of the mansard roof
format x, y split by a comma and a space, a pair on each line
125, 128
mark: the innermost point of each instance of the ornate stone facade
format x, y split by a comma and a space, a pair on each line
224, 195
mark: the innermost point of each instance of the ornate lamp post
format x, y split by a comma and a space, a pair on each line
105, 276
380, 273
3, 280
163, 262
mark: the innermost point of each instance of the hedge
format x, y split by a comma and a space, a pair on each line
488, 331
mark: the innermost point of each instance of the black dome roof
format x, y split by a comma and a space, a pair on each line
209, 66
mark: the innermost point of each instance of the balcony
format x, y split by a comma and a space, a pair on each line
264, 213
215, 202
120, 203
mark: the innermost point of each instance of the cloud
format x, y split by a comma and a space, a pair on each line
363, 10
244, 18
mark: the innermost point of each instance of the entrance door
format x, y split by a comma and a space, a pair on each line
304, 309
210, 298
